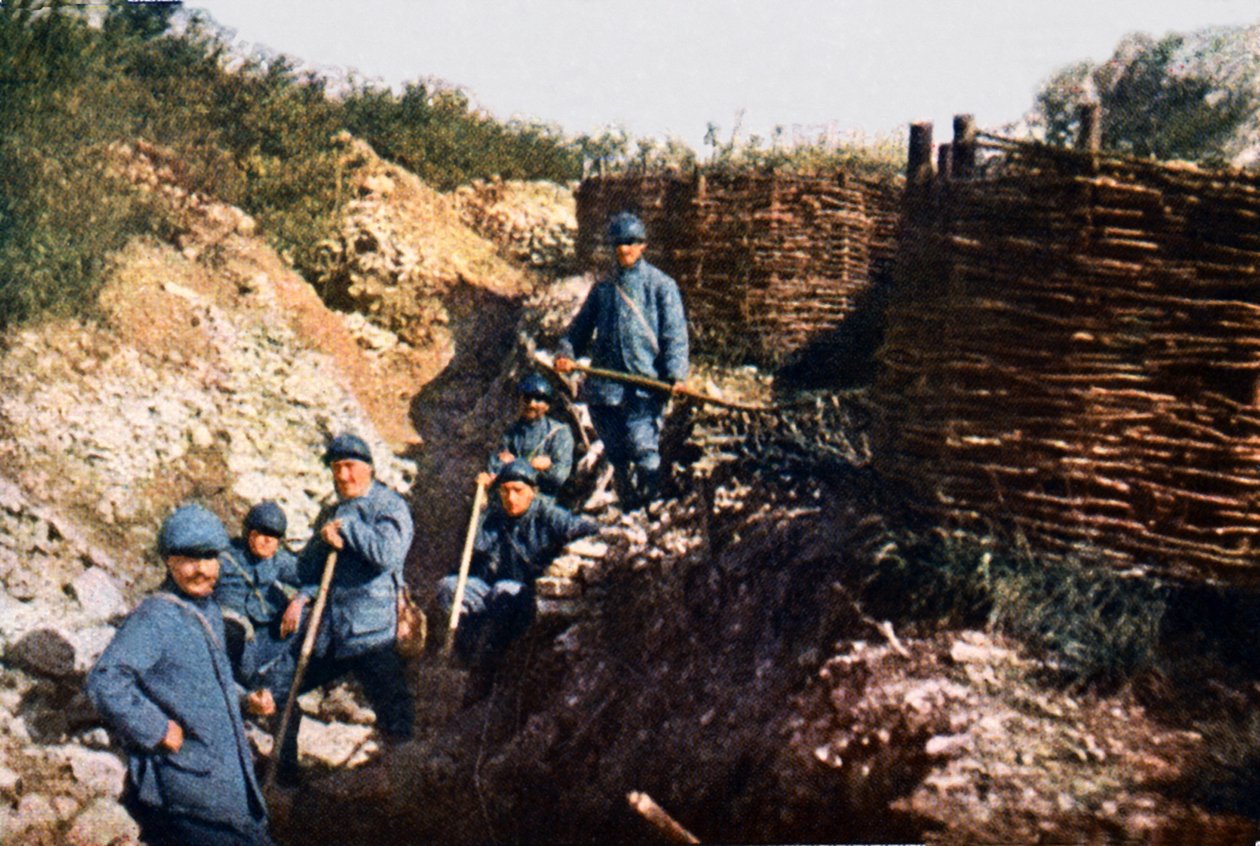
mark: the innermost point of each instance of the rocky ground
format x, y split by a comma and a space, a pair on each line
714, 651
534, 223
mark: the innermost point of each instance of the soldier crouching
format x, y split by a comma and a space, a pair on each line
164, 687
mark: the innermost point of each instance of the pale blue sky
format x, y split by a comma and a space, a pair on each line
670, 66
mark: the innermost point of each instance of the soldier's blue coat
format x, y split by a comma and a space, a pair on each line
521, 548
361, 614
614, 336
529, 439
161, 666
250, 586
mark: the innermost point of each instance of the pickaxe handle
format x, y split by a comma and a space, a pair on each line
304, 658
465, 561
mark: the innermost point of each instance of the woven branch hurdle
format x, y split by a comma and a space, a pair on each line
1072, 351
767, 261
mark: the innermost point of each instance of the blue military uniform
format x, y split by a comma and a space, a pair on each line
362, 604
509, 553
357, 632
167, 662
530, 439
255, 587
633, 322
257, 590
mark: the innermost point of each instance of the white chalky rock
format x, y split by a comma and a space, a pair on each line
103, 821
335, 744
34, 809
88, 644
100, 772
98, 594
947, 745
10, 781
588, 548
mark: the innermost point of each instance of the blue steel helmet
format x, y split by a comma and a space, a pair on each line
267, 517
193, 531
518, 470
534, 385
346, 446
626, 228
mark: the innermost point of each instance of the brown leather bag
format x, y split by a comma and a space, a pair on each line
413, 626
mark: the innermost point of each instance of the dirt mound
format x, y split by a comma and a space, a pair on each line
533, 223
401, 250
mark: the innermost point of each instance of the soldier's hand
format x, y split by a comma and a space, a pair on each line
542, 463
564, 364
293, 615
331, 533
506, 457
484, 479
260, 703
678, 388
174, 738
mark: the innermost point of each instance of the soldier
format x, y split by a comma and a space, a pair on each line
543, 441
516, 542
257, 579
370, 529
633, 322
165, 688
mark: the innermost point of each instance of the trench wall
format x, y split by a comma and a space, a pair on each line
1071, 352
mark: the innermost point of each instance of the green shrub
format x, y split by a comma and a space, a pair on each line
61, 214
258, 136
1093, 625
1152, 105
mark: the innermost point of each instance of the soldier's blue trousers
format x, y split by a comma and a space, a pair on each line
159, 828
631, 432
493, 616
272, 659
383, 676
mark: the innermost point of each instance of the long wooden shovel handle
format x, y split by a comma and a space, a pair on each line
304, 658
667, 388
465, 561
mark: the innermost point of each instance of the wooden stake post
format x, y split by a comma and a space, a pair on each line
660, 820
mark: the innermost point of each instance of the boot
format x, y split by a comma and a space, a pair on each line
623, 484
648, 485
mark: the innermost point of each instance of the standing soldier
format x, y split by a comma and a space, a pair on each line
537, 437
165, 688
370, 529
633, 322
257, 580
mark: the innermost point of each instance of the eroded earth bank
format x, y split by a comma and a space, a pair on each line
776, 652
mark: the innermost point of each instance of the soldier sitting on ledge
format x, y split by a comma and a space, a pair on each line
537, 437
518, 539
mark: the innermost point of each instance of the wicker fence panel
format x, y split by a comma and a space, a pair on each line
1072, 352
767, 261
